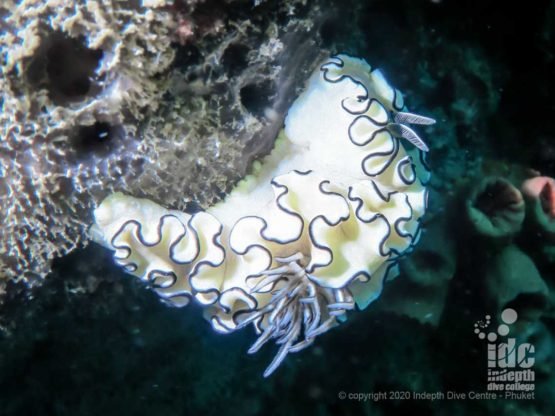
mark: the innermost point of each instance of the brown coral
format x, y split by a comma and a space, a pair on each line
94, 102
75, 77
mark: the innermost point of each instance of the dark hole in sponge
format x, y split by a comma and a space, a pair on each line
257, 97
98, 138
234, 59
186, 56
65, 67
497, 196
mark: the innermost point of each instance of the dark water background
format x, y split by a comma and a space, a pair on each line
92, 341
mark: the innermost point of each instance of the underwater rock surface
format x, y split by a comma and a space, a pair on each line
90, 340
103, 96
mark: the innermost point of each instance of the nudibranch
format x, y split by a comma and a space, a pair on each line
312, 233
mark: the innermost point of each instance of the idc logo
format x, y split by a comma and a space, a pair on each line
509, 364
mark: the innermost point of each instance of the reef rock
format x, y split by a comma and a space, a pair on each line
106, 95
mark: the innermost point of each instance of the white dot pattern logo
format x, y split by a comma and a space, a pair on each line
508, 316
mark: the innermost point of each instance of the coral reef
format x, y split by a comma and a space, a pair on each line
99, 96
91, 340
75, 77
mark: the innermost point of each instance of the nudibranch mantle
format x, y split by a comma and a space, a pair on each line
313, 231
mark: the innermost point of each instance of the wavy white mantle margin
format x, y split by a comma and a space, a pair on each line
314, 231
